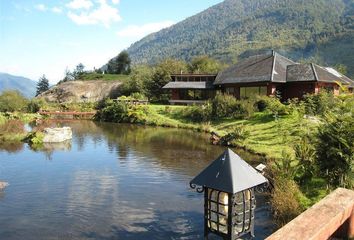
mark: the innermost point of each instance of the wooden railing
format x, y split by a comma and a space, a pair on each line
332, 217
86, 115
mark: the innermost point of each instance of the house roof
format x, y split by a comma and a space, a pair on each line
312, 72
259, 68
229, 173
189, 85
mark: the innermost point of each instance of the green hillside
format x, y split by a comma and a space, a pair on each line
312, 30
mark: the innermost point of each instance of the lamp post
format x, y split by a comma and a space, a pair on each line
229, 201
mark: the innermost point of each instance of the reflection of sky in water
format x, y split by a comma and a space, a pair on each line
112, 182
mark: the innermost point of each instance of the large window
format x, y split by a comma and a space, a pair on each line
248, 92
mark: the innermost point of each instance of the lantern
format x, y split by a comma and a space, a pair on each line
229, 201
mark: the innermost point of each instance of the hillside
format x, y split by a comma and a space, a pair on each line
320, 31
24, 85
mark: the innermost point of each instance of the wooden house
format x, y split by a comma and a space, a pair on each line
266, 74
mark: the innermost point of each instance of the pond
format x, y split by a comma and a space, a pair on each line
112, 181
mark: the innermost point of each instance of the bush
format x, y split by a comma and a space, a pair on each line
35, 105
319, 104
236, 137
113, 111
276, 107
199, 113
11, 101
285, 200
335, 150
305, 155
224, 105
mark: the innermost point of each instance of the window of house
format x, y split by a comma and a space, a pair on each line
248, 92
230, 90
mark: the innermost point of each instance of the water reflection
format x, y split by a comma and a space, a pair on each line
112, 182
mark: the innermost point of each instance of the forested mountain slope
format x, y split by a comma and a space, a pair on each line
308, 30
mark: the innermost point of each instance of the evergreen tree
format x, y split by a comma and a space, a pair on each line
122, 63
79, 71
42, 85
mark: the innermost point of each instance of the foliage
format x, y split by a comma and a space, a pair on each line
120, 64
35, 105
197, 113
285, 200
78, 71
12, 130
233, 30
35, 139
123, 112
275, 107
305, 154
335, 149
204, 64
319, 104
227, 106
235, 137
42, 85
11, 101
138, 81
113, 111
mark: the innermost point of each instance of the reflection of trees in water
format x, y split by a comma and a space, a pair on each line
183, 150
11, 147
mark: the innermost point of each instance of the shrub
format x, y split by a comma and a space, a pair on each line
11, 101
113, 111
335, 150
224, 105
199, 113
319, 104
35, 105
285, 200
275, 106
236, 137
305, 155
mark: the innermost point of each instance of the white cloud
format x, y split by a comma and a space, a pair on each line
143, 30
115, 1
80, 4
104, 14
41, 7
57, 10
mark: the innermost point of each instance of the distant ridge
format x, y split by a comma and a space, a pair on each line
320, 31
25, 86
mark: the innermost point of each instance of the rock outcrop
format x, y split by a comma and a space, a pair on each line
3, 185
56, 135
82, 91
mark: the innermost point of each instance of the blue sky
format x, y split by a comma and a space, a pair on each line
45, 36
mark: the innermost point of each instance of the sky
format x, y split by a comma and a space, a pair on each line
47, 37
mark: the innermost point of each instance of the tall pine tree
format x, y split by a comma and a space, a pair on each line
42, 85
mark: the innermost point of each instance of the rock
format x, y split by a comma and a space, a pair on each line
56, 135
82, 91
3, 185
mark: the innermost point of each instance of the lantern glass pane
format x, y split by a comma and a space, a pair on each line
217, 204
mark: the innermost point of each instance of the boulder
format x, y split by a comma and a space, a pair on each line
3, 185
82, 91
56, 135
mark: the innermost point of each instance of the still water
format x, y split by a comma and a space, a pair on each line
112, 181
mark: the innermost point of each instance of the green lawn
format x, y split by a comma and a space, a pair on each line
267, 135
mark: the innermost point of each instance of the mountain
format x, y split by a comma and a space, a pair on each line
321, 31
24, 85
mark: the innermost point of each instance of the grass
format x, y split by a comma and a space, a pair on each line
268, 137
105, 77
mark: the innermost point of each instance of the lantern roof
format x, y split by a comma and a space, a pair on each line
229, 173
